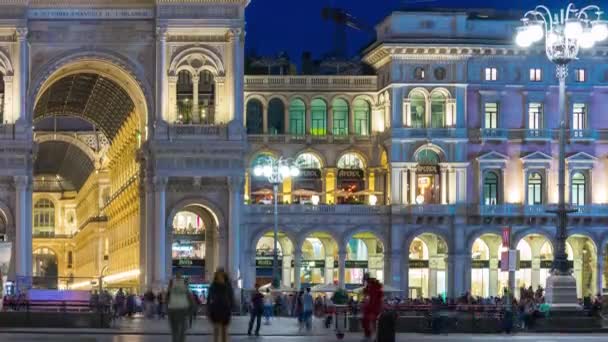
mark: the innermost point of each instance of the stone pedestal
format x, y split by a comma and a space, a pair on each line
561, 293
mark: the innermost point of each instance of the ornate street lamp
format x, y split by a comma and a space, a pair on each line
276, 171
565, 34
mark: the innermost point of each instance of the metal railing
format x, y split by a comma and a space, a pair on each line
344, 209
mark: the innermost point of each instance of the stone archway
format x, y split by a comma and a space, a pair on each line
206, 244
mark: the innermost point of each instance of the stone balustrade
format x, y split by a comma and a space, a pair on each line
312, 83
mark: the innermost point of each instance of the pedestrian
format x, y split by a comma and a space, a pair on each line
149, 303
299, 311
256, 310
371, 306
179, 307
267, 307
307, 307
220, 303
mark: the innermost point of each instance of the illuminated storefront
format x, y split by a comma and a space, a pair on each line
351, 179
427, 266
365, 254
188, 247
319, 258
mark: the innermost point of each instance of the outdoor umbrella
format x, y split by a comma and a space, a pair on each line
324, 288
304, 192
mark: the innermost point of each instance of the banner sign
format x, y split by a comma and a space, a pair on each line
525, 264
350, 174
90, 13
309, 174
356, 264
419, 264
422, 169
189, 262
313, 263
506, 237
266, 263
549, 264
480, 263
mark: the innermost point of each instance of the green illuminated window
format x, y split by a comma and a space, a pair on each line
340, 111
362, 117
297, 117
319, 117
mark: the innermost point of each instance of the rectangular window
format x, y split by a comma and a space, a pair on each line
579, 112
535, 118
579, 75
491, 115
536, 75
491, 74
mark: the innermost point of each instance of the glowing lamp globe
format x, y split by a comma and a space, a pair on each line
315, 200
258, 171
419, 199
536, 31
573, 28
373, 200
586, 39
295, 172
599, 29
284, 170
523, 38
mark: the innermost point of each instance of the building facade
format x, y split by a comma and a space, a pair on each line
129, 135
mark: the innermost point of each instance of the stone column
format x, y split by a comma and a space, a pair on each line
23, 230
161, 244
235, 186
413, 185
329, 270
9, 114
395, 260
235, 78
351, 120
600, 271
287, 270
308, 120
444, 184
265, 118
342, 268
172, 94
493, 277
24, 71
286, 119
249, 270
330, 121
397, 192
196, 112
161, 72
297, 255
147, 248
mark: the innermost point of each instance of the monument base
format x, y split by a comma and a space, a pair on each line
561, 293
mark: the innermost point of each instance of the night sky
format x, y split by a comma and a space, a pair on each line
295, 26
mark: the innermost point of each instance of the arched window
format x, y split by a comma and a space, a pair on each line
340, 111
535, 189
308, 161
350, 161
418, 109
578, 190
318, 117
362, 117
185, 89
490, 188
206, 97
297, 117
44, 218
276, 117
254, 120
438, 110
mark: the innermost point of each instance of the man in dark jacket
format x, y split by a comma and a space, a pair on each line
257, 309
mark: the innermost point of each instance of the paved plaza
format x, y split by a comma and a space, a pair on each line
349, 338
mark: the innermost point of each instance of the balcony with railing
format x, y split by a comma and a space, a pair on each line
430, 133
312, 83
307, 209
545, 210
197, 132
583, 135
310, 139
538, 134
496, 134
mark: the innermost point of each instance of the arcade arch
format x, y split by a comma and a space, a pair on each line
364, 254
264, 259
427, 266
319, 260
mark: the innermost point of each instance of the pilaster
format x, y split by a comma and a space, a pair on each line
161, 72
235, 186
161, 243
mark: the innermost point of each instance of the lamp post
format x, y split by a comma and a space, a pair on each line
565, 34
276, 171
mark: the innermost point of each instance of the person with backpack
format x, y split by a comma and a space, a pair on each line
179, 305
256, 310
220, 303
